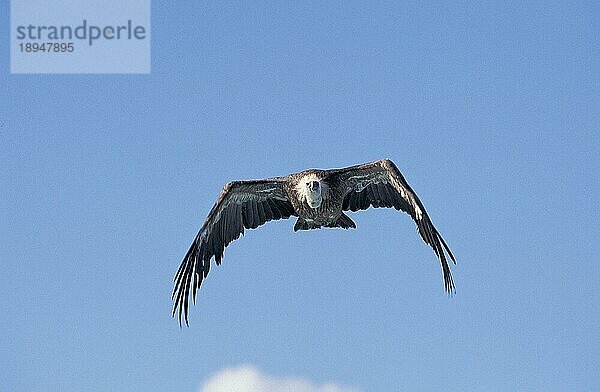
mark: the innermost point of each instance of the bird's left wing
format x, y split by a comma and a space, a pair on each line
380, 184
242, 204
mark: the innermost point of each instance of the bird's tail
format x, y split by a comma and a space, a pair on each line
344, 222
302, 224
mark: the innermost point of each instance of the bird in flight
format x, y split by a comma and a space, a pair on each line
318, 198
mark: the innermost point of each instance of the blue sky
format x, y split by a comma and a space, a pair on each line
491, 111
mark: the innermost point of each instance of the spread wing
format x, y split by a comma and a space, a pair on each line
242, 204
380, 184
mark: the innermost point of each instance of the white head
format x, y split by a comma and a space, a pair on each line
312, 188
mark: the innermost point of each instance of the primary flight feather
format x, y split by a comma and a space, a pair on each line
318, 198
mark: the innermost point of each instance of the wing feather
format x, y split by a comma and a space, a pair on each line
241, 205
267, 209
255, 217
363, 201
250, 212
380, 184
274, 210
375, 197
262, 216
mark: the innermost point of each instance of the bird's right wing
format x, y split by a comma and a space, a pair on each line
242, 204
380, 184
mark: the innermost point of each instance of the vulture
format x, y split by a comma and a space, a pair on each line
318, 198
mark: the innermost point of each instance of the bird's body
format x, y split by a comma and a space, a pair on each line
315, 209
318, 198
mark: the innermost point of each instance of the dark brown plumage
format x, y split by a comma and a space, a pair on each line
318, 198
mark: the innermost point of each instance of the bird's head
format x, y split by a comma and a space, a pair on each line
312, 191
314, 186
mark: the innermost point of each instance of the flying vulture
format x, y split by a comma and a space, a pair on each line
318, 198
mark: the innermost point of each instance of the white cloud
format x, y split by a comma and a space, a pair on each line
249, 379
